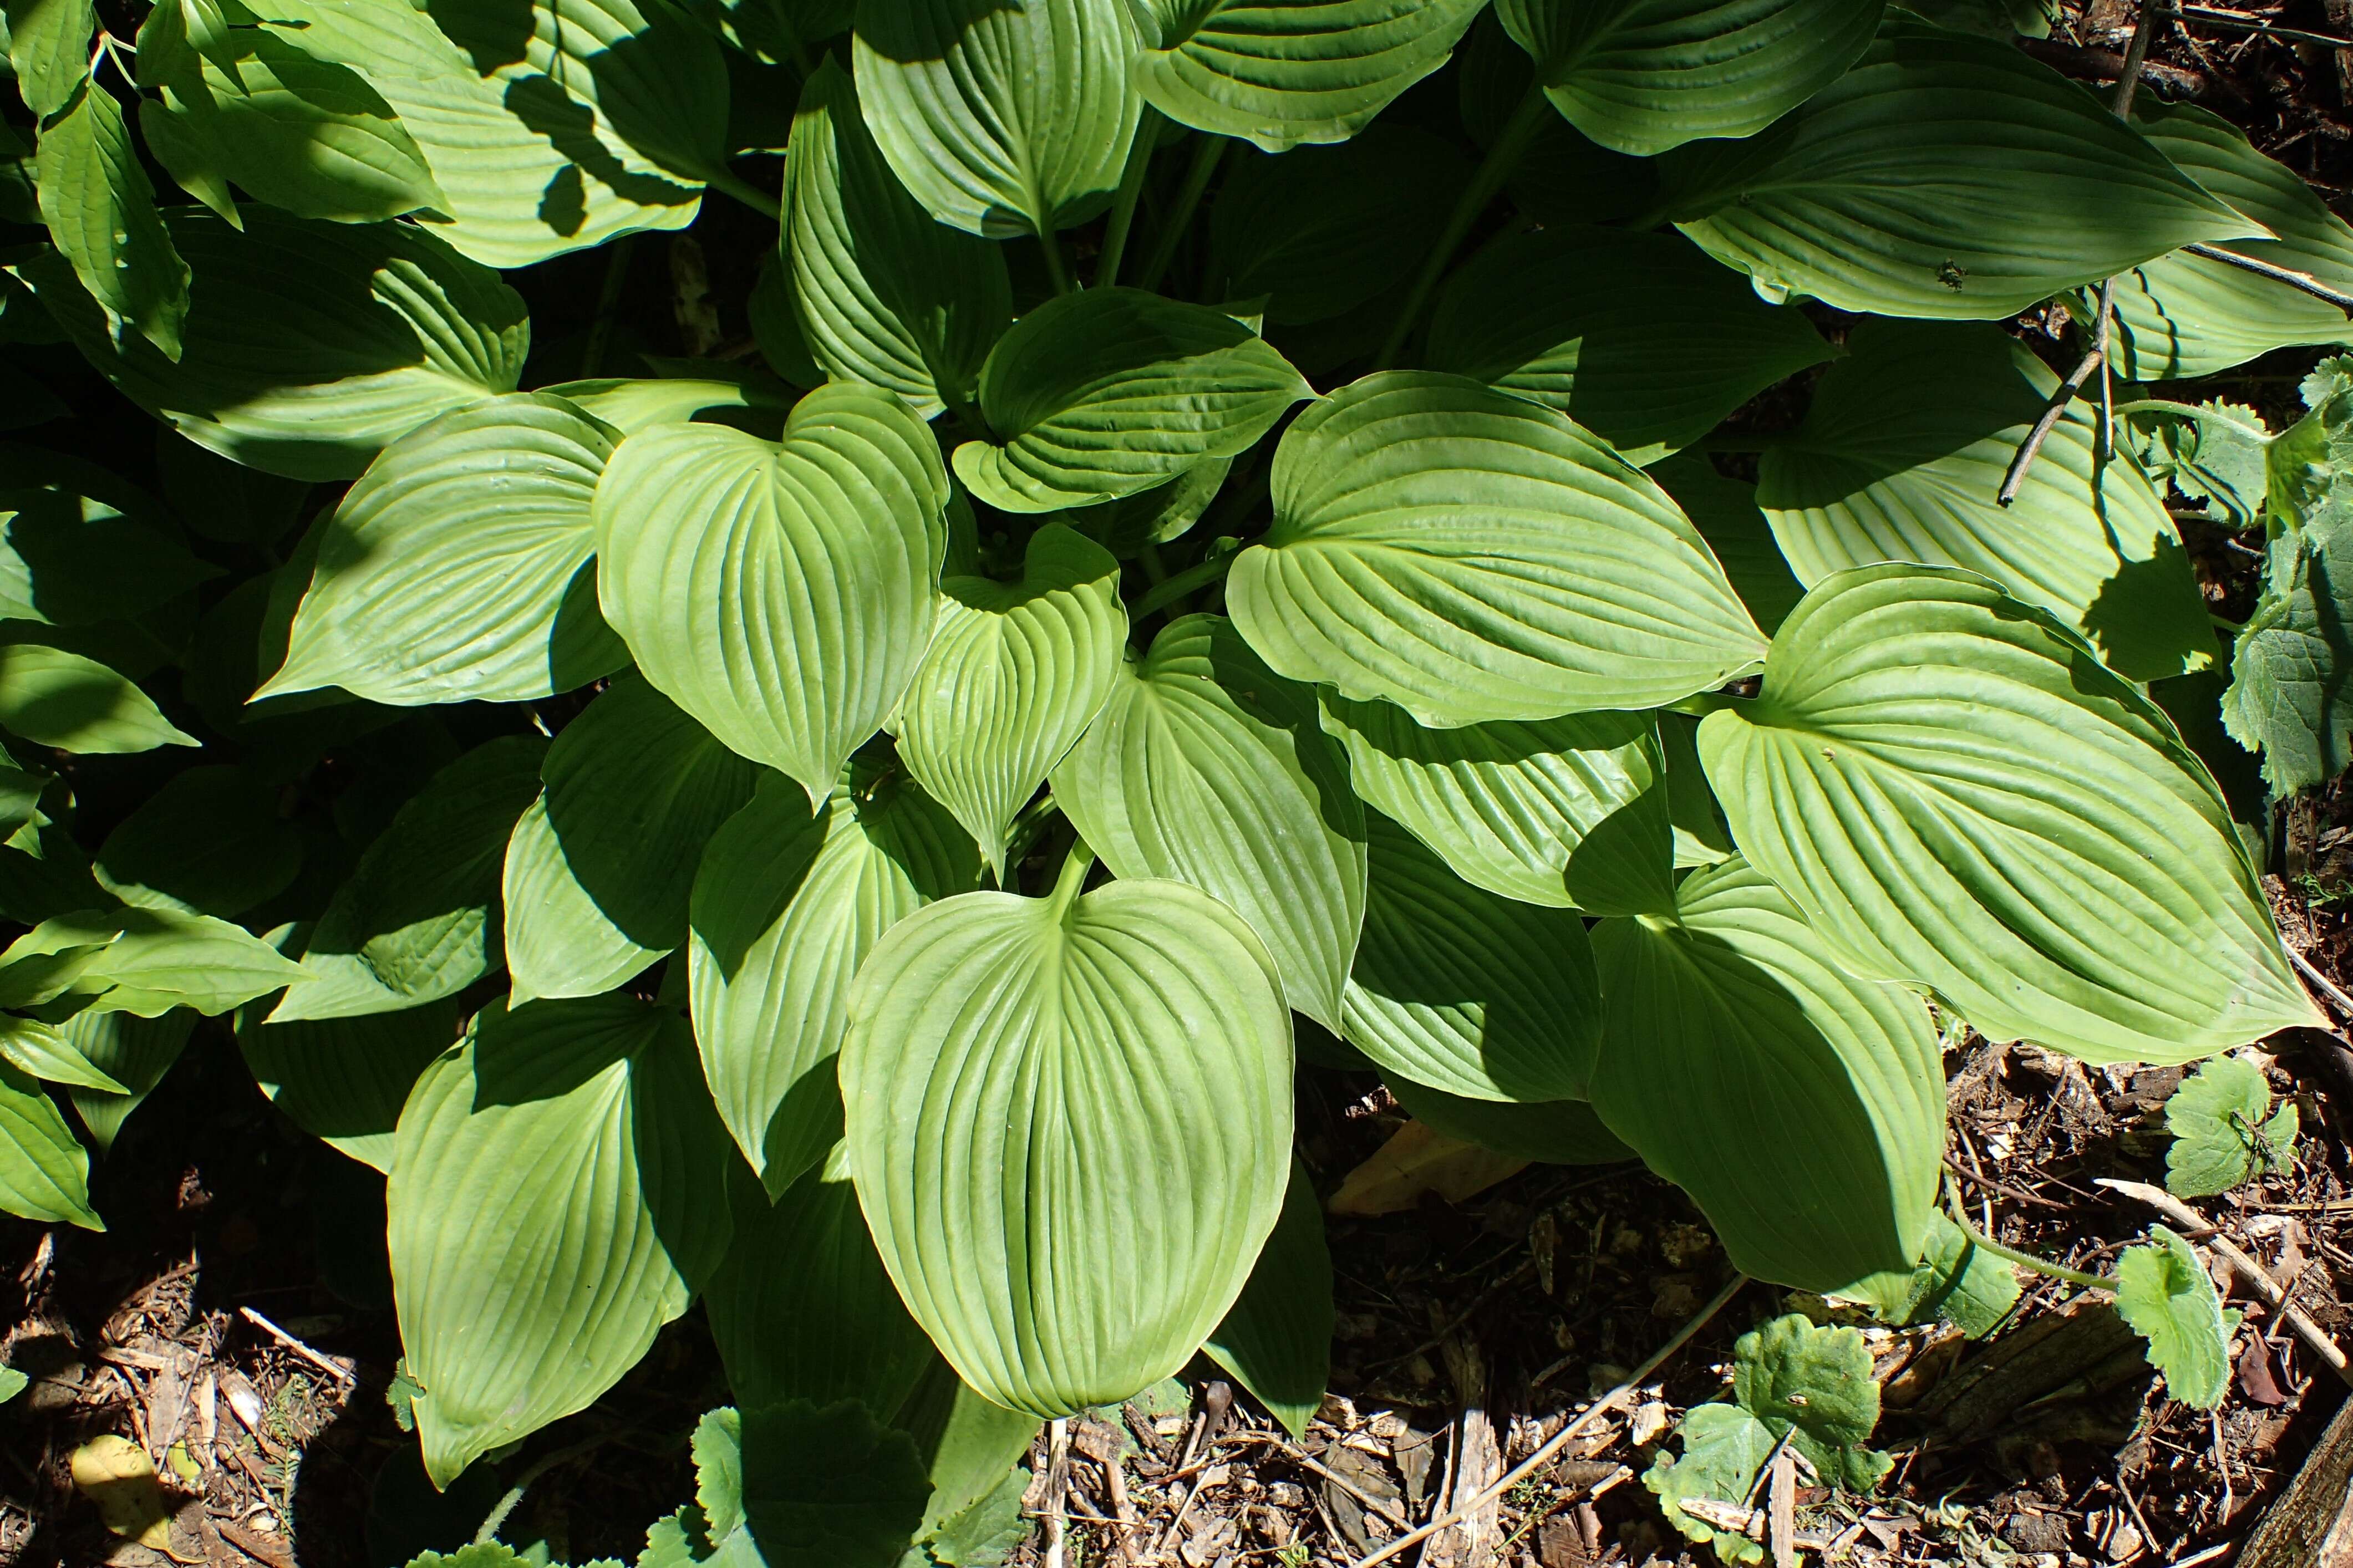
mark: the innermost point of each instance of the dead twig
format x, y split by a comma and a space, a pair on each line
325, 1364
2288, 274
1388, 1508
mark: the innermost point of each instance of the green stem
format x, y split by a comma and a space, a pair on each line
728, 182
1700, 704
1206, 156
1059, 274
1076, 863
2192, 411
2028, 1259
506, 1505
1123, 206
1168, 591
1494, 170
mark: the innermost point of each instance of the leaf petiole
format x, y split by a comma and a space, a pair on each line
2028, 1260
727, 183
1076, 863
1170, 589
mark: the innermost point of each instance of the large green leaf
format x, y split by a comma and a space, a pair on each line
1321, 231
458, 567
100, 212
1470, 555
598, 871
1891, 465
49, 49
1283, 72
802, 1309
1207, 768
1583, 320
1945, 176
210, 840
135, 1052
2184, 316
1957, 794
1099, 394
1457, 988
1012, 677
884, 294
418, 918
781, 593
304, 134
1278, 1338
1000, 119
1801, 1107
558, 1192
44, 1172
311, 346
785, 908
1724, 511
345, 1080
150, 961
830, 1487
1642, 76
1504, 804
550, 127
53, 698
1052, 1103
71, 560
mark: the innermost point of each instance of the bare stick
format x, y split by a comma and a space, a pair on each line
2023, 458
1559, 1440
2328, 988
2293, 280
327, 1364
2257, 1276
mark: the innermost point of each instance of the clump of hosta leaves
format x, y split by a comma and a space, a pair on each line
2225, 1130
1796, 1384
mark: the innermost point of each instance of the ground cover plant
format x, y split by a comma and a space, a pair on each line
1240, 542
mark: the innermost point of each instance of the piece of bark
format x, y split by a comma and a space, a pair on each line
2309, 1526
2107, 65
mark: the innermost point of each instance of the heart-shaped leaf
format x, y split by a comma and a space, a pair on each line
997, 1045
2025, 894
1945, 176
558, 1192
1283, 72
1888, 466
1012, 677
458, 567
1801, 1108
782, 594
1002, 119
2165, 1293
1207, 768
1470, 555
1102, 394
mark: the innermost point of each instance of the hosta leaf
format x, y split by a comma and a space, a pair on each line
1155, 516
633, 405
1205, 767
1002, 119
2164, 1292
802, 1309
1504, 804
1945, 176
2179, 316
784, 909
311, 346
49, 49
1471, 556
1278, 1338
598, 871
32, 1046
44, 1172
1891, 466
1625, 865
210, 840
418, 918
1642, 76
1581, 319
2220, 1132
548, 129
1801, 1107
781, 593
558, 1192
460, 567
1724, 511
1550, 1131
301, 133
1320, 231
1283, 72
53, 698
135, 1052
101, 212
998, 1045
830, 1487
345, 1080
71, 559
1012, 676
778, 30
885, 295
1102, 394
1957, 796
150, 961
1467, 992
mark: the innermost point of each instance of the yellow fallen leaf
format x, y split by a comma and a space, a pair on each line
1416, 1161
116, 1474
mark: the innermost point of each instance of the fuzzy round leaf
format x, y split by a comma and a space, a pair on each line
1052, 1103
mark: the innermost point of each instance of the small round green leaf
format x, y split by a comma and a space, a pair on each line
1470, 556
1052, 1103
2165, 1293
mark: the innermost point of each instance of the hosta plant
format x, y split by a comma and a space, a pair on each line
1197, 552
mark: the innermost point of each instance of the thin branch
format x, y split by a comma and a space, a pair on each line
2023, 458
2293, 278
